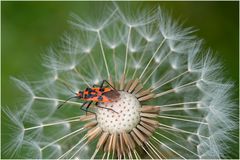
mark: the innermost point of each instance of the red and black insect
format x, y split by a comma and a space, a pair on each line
96, 94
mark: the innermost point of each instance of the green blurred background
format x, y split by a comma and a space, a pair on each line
29, 28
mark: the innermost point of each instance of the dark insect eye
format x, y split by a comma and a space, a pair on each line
88, 89
100, 98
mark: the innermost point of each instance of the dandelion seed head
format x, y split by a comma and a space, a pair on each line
72, 67
176, 90
126, 118
86, 148
149, 39
58, 147
137, 66
174, 66
96, 81
87, 50
157, 60
113, 46
132, 49
55, 77
67, 125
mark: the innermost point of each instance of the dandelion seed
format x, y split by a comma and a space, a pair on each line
173, 103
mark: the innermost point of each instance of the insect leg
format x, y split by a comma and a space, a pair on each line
88, 106
83, 106
107, 83
95, 85
86, 110
105, 108
100, 86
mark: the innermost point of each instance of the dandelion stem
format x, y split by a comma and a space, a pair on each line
136, 154
181, 116
155, 88
94, 154
95, 66
103, 54
156, 67
108, 154
178, 104
174, 89
179, 109
177, 144
50, 124
180, 119
167, 127
168, 147
152, 58
61, 138
153, 150
115, 63
139, 62
147, 152
103, 155
126, 54
157, 150
85, 137
130, 153
113, 154
72, 118
78, 150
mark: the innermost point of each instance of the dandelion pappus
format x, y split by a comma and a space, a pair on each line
96, 94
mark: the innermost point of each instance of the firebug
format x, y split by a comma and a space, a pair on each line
96, 94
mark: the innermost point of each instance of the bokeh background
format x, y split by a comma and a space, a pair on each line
29, 28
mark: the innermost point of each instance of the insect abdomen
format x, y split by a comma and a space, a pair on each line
97, 99
95, 94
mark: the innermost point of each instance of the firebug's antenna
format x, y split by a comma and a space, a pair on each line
60, 105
